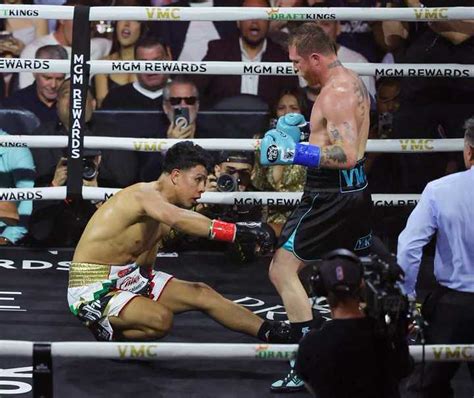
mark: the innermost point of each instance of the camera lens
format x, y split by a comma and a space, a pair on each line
226, 183
89, 169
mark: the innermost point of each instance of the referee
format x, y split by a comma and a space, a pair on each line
446, 208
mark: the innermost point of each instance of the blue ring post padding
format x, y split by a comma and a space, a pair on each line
307, 155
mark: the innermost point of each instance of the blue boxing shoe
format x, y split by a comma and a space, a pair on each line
290, 383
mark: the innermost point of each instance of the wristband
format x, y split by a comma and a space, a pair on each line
220, 230
307, 155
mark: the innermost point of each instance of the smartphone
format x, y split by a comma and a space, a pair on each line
181, 117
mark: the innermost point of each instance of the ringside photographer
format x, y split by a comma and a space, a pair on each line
232, 173
356, 353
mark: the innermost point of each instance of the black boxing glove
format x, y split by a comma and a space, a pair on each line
245, 233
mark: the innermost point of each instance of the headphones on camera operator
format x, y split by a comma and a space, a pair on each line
340, 270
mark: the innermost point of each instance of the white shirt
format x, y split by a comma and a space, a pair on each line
199, 34
100, 47
446, 208
346, 55
147, 93
249, 84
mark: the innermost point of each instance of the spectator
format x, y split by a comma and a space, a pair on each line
118, 169
62, 36
281, 178
125, 37
147, 92
445, 210
61, 223
17, 170
251, 45
40, 97
188, 40
181, 106
440, 104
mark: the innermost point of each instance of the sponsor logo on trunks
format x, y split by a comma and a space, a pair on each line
13, 144
416, 145
132, 283
275, 14
161, 67
17, 196
354, 177
272, 153
262, 351
137, 351
148, 146
6, 13
29, 64
422, 72
163, 13
268, 70
457, 353
431, 13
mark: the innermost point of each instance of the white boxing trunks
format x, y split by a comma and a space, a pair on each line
96, 292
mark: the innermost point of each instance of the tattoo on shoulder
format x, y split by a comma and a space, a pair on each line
335, 153
334, 64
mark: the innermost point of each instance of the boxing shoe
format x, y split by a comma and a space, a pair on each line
290, 383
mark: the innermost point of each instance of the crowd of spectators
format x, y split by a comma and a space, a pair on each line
178, 106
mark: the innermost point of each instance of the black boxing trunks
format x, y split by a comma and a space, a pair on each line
334, 213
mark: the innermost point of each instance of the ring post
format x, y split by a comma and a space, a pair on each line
42, 371
78, 99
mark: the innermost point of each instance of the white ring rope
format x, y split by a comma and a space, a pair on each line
172, 351
241, 13
222, 198
13, 65
403, 145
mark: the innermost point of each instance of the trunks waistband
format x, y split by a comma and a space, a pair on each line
333, 180
83, 274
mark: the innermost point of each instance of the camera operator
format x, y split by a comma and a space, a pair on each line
231, 174
61, 223
349, 356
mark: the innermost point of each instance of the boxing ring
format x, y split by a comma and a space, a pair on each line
42, 352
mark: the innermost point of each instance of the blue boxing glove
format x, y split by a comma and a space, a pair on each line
277, 147
292, 124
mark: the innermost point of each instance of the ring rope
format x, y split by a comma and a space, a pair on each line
221, 198
403, 145
241, 13
173, 351
14, 65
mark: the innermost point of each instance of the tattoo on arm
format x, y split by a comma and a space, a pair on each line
335, 134
334, 153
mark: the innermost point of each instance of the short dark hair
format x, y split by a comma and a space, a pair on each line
309, 38
185, 155
148, 40
469, 131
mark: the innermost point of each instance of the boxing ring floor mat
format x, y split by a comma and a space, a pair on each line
33, 307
